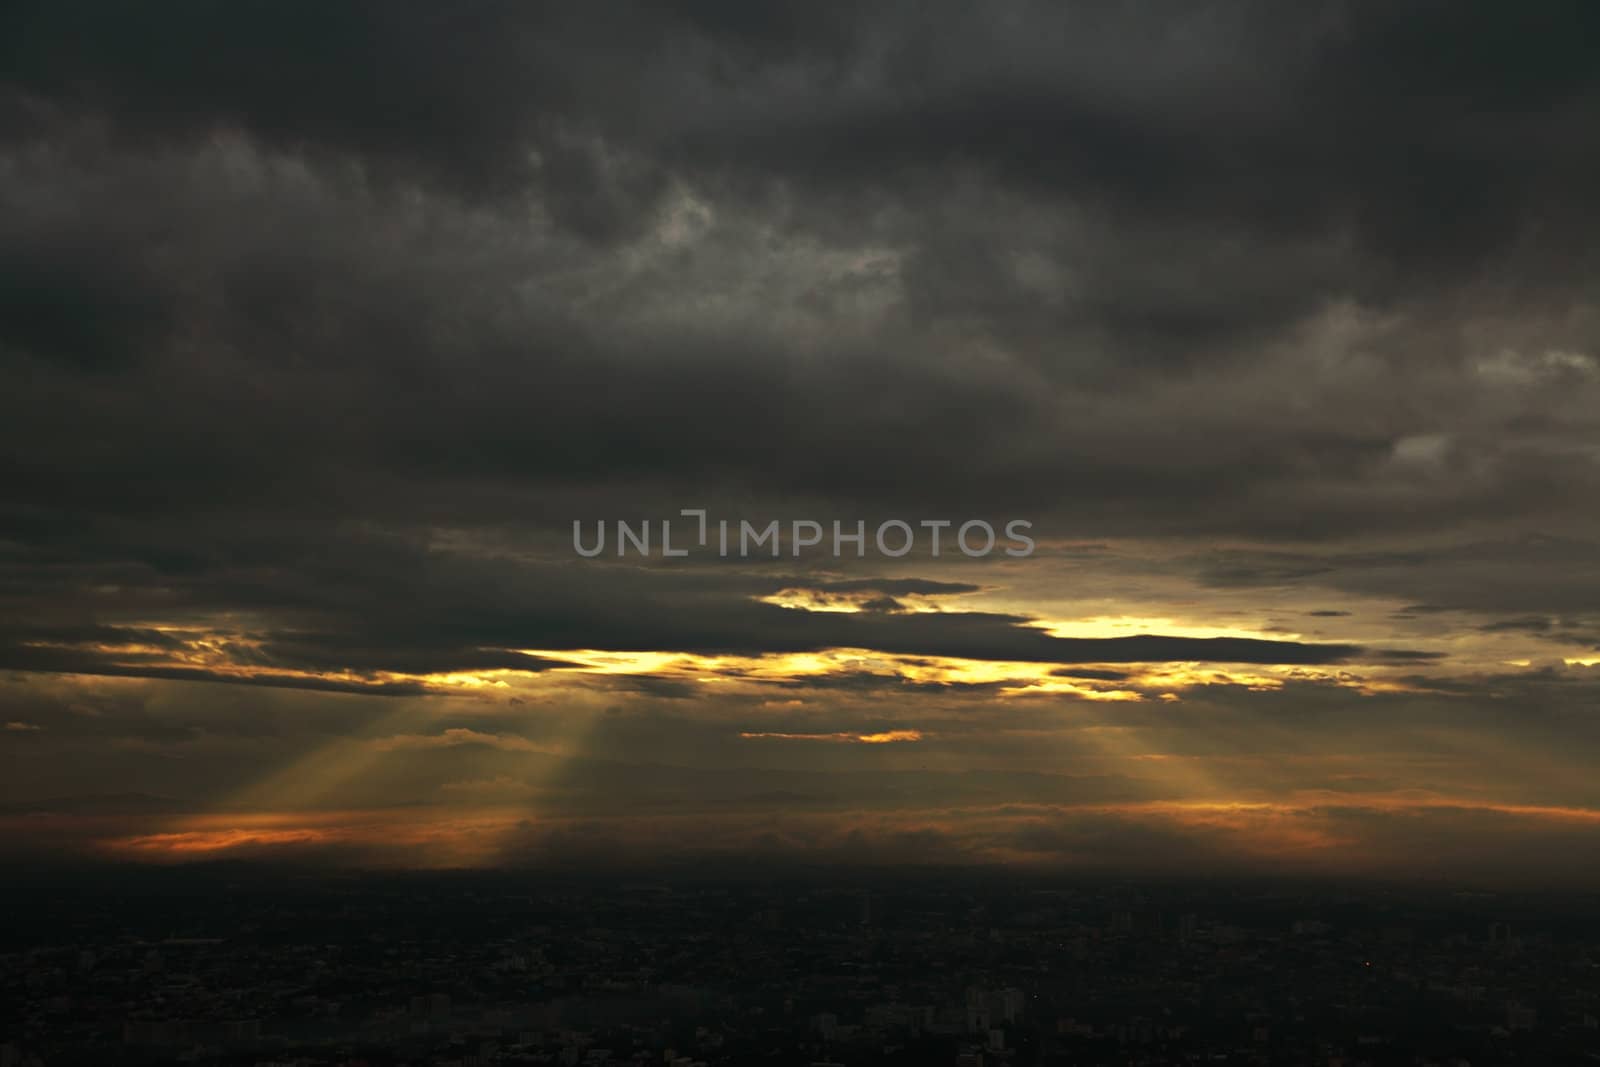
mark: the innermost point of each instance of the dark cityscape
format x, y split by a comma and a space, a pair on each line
220, 966
809, 533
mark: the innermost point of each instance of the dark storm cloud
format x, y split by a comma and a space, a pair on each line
1528, 624
1549, 585
1090, 675
868, 682
76, 298
124, 666
291, 292
388, 607
457, 94
1404, 655
1409, 128
890, 586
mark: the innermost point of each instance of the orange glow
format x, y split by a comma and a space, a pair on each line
888, 737
442, 837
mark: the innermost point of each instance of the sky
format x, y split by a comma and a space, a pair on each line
321, 324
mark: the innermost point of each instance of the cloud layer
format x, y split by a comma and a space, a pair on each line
319, 324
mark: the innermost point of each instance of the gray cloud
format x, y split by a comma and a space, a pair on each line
320, 323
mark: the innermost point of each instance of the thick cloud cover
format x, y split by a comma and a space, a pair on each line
320, 323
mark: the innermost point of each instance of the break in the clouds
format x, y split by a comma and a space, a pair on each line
321, 323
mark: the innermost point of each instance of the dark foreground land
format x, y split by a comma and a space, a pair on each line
227, 966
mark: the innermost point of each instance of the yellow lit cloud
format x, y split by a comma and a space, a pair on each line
887, 737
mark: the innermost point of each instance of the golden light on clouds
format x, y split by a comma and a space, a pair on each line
857, 601
215, 657
886, 737
1103, 626
1183, 735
